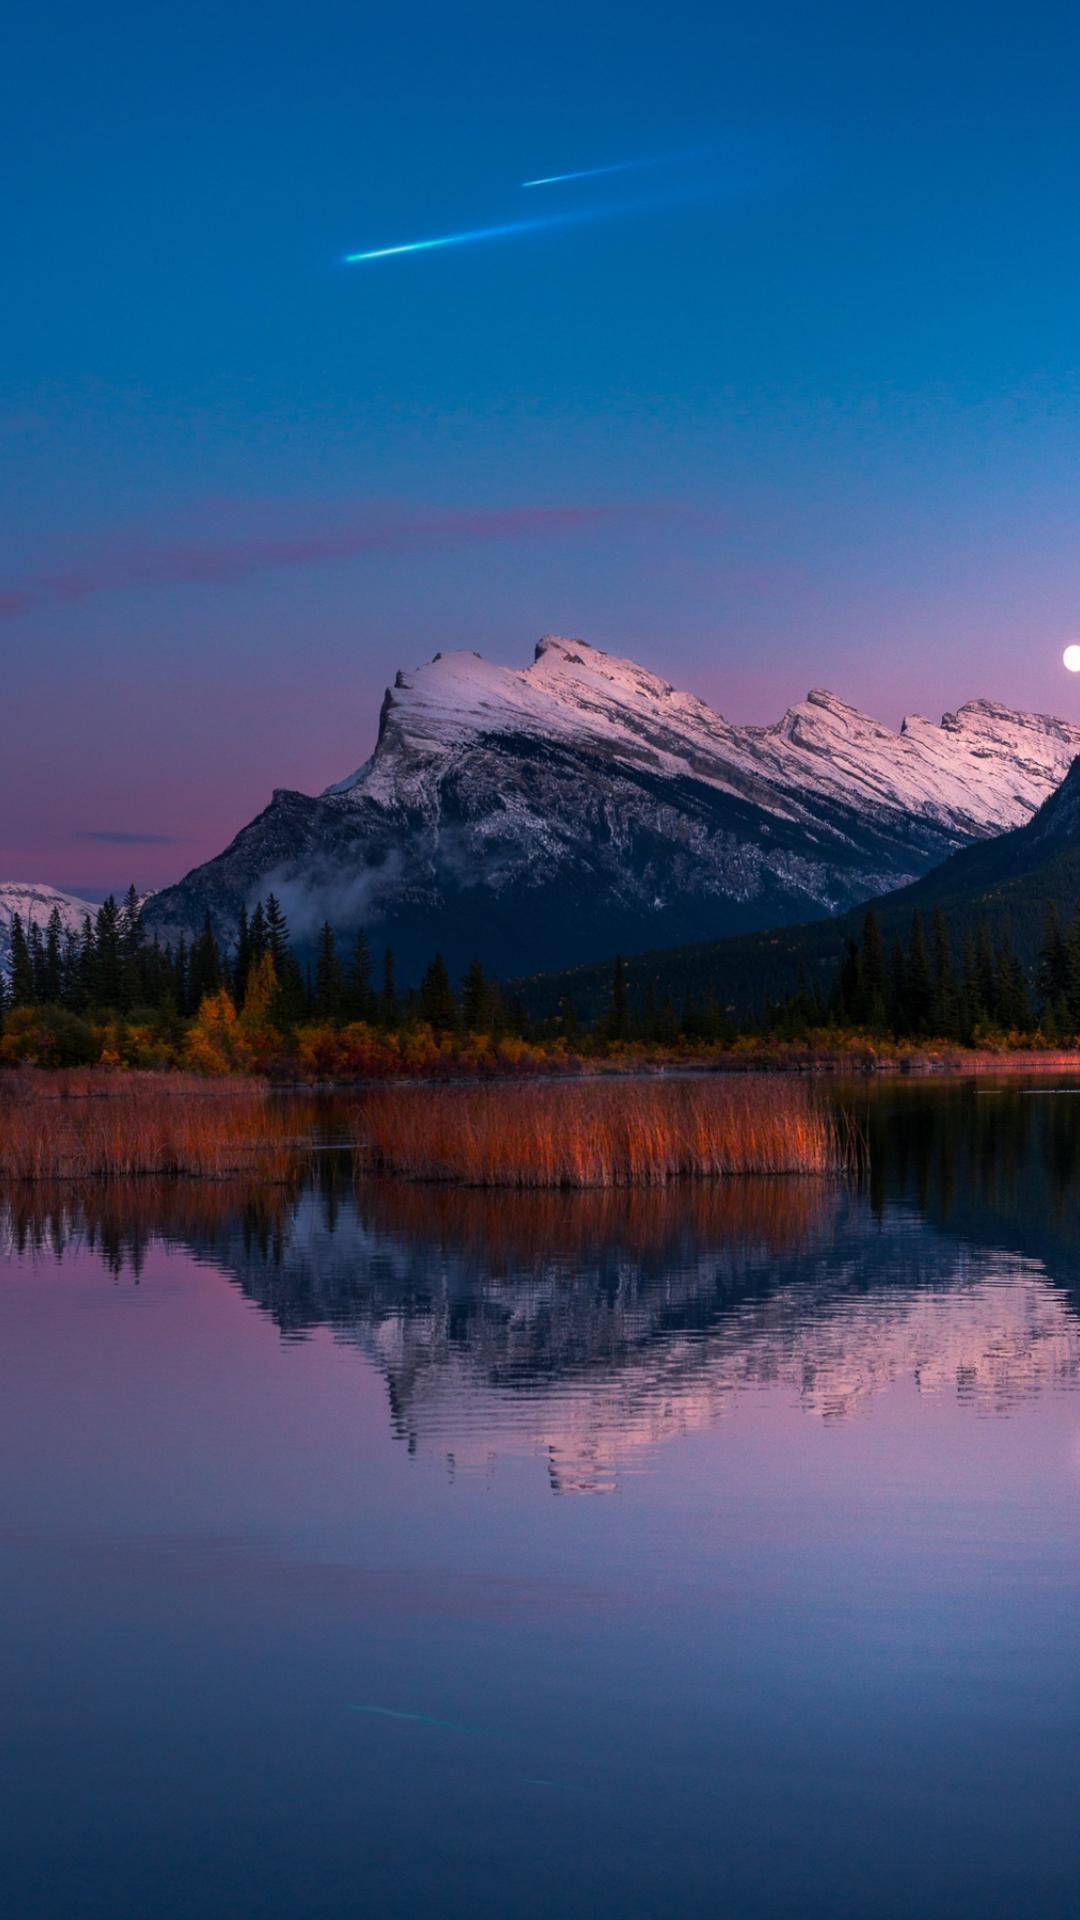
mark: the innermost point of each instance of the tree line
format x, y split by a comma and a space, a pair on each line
920, 985
923, 984
111, 965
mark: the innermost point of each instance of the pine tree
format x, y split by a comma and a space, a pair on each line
437, 998
53, 959
87, 963
277, 930
920, 990
22, 972
1072, 954
388, 1000
37, 961
1052, 972
358, 998
258, 943
569, 1024
897, 993
70, 972
328, 981
618, 1019
131, 941
971, 1008
872, 985
474, 1000
986, 971
849, 985
1013, 1007
204, 968
945, 1019
107, 970
241, 955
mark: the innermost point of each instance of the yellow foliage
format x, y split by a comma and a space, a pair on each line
216, 1043
261, 988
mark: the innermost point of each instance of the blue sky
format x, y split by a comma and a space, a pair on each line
801, 409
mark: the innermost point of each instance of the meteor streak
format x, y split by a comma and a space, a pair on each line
473, 233
588, 173
619, 166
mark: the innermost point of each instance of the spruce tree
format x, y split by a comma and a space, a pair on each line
358, 998
474, 1000
945, 1020
920, 990
873, 984
37, 961
204, 969
22, 972
328, 981
436, 997
986, 970
971, 1009
897, 987
618, 1017
1013, 1006
87, 963
388, 1000
242, 956
1072, 947
107, 970
1052, 971
131, 940
258, 942
53, 959
70, 972
849, 984
277, 930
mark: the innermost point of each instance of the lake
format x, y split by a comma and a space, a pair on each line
369, 1548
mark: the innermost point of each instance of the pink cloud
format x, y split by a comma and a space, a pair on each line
122, 564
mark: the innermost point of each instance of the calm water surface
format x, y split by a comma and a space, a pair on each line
374, 1550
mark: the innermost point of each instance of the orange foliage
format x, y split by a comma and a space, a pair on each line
101, 1125
603, 1133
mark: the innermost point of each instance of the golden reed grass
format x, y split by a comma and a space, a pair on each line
72, 1126
620, 1133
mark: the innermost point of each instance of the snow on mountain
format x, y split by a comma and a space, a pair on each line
982, 768
547, 814
34, 905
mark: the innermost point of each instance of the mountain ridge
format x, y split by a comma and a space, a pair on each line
551, 813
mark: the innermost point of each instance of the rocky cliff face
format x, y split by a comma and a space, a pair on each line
548, 815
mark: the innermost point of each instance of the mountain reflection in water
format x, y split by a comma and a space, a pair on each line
590, 1328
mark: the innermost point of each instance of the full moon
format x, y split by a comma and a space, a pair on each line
1071, 657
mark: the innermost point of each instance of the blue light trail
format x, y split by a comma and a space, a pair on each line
473, 233
589, 173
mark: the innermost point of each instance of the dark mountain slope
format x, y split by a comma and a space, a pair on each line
1012, 877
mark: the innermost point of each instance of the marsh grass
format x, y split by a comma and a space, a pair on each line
80, 1126
583, 1134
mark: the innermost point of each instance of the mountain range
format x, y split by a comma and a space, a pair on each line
547, 815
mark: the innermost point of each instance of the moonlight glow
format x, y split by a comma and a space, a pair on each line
1071, 657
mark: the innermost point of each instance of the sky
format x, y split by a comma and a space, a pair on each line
791, 400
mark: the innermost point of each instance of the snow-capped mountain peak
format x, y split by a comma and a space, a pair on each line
541, 814
34, 904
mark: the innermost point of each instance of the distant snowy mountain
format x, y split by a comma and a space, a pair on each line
548, 815
34, 904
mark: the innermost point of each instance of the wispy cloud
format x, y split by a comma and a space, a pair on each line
120, 837
123, 563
